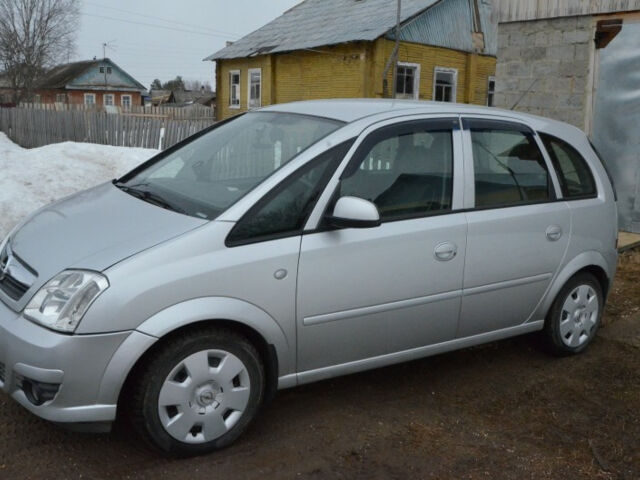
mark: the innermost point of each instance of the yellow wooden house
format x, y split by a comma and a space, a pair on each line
345, 49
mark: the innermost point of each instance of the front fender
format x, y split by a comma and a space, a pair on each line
222, 308
187, 313
583, 260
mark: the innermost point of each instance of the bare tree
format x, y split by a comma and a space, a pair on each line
34, 36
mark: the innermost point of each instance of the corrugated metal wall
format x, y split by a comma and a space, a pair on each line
449, 24
616, 120
521, 10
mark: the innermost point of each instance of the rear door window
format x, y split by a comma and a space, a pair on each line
509, 168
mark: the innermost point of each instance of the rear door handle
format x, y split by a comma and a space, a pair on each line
445, 251
554, 233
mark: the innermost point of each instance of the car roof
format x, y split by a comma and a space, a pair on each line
351, 110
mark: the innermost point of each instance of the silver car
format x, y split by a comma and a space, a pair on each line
294, 244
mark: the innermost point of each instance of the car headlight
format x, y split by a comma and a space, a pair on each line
62, 302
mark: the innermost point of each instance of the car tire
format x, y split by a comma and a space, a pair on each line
575, 315
198, 392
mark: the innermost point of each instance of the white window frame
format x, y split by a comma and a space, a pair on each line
251, 105
231, 85
416, 80
104, 99
92, 96
454, 93
61, 98
122, 97
490, 92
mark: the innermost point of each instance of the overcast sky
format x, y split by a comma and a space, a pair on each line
165, 38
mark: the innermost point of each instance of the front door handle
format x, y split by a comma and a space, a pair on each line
445, 251
554, 233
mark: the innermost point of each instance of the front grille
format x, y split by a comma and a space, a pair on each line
14, 289
1, 372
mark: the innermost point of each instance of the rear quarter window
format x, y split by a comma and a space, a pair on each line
576, 178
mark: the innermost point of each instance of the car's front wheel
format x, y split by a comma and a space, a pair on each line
198, 392
575, 315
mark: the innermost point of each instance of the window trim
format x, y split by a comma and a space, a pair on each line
249, 72
90, 95
122, 97
231, 84
504, 124
490, 92
104, 99
454, 93
558, 170
416, 79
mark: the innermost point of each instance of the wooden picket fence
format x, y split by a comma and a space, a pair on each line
189, 112
30, 128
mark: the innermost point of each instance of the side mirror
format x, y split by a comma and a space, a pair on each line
353, 212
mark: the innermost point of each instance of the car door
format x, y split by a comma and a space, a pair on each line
364, 293
518, 232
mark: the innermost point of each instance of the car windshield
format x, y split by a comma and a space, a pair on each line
207, 175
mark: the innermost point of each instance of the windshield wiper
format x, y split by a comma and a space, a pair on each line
149, 197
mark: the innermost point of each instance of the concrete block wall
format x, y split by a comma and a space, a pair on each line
553, 56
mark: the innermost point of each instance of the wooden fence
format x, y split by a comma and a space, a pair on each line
30, 127
188, 112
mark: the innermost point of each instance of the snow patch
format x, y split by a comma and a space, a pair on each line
31, 178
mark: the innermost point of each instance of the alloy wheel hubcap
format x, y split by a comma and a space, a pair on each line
204, 396
579, 316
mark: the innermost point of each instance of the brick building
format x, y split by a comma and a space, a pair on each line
578, 61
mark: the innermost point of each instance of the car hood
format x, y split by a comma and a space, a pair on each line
93, 230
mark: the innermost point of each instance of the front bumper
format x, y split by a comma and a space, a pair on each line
78, 363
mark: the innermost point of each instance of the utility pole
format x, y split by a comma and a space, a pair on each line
393, 59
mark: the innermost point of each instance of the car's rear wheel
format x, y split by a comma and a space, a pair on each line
575, 315
198, 392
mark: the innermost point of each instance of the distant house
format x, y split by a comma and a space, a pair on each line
181, 98
341, 48
159, 97
6, 93
92, 82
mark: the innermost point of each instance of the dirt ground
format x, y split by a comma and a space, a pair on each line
504, 410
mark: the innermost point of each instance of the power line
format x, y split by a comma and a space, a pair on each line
155, 26
174, 22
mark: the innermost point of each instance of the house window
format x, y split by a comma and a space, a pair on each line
126, 101
108, 99
445, 84
101, 69
108, 70
234, 88
408, 81
61, 98
491, 92
89, 98
37, 99
255, 88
